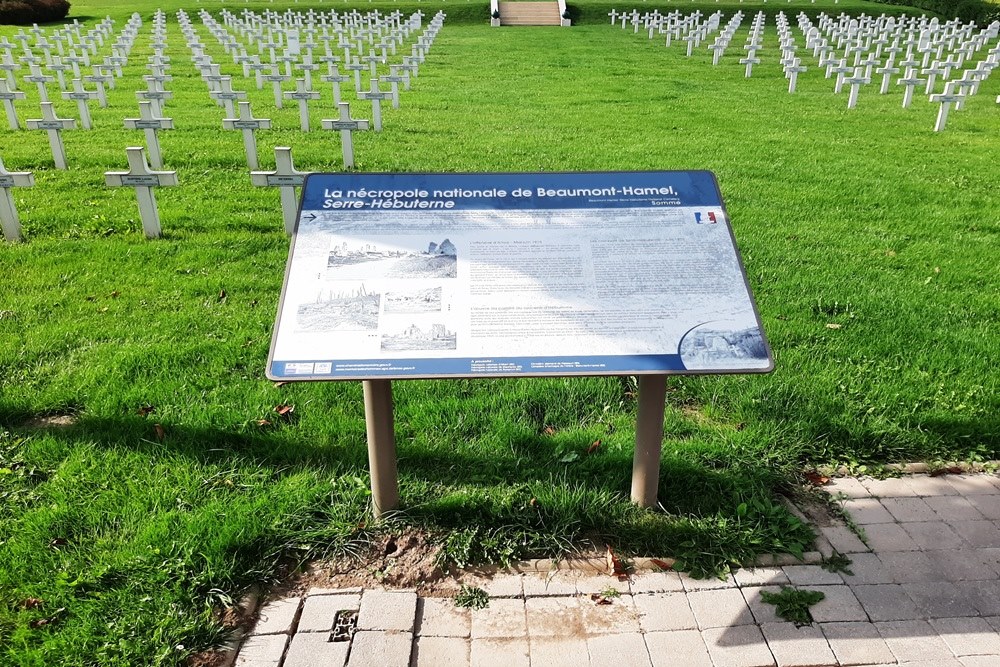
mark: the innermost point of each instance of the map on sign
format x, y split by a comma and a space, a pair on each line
467, 275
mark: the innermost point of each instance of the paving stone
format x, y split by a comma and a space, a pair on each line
762, 611
439, 617
740, 646
894, 487
621, 616
889, 537
977, 661
549, 583
353, 590
980, 534
934, 535
797, 647
565, 651
319, 612
992, 559
656, 582
988, 506
994, 622
968, 636
262, 651
907, 567
984, 595
666, 611
964, 565
440, 652
680, 647
504, 618
380, 649
811, 575
496, 652
886, 602
711, 583
314, 649
504, 586
847, 486
620, 650
953, 508
388, 610
971, 485
925, 485
761, 576
866, 511
868, 569
909, 509
719, 608
839, 604
595, 584
553, 617
910, 641
277, 617
857, 643
843, 539
940, 600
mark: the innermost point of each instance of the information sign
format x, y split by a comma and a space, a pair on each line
394, 276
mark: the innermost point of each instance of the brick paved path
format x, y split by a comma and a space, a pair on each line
925, 594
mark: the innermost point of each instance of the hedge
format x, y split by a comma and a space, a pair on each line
26, 12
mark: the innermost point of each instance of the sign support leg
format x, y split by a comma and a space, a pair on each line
648, 439
381, 445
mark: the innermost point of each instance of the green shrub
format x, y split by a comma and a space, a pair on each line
26, 12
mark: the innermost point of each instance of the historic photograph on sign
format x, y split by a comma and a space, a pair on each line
416, 301
721, 345
355, 261
340, 310
413, 337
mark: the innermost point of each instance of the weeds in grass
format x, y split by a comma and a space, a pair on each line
837, 562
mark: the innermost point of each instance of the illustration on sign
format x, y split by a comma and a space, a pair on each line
464, 275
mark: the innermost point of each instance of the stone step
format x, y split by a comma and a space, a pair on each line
529, 13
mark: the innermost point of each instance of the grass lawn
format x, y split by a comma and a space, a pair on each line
164, 497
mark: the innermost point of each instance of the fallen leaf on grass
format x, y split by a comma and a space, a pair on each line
662, 564
146, 410
548, 430
32, 603
42, 622
533, 502
831, 325
284, 410
222, 295
159, 432
593, 447
599, 599
58, 542
279, 385
263, 422
816, 479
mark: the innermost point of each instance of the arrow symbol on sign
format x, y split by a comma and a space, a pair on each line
311, 216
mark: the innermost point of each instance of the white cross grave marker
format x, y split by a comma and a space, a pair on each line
376, 96
946, 99
855, 82
911, 81
793, 71
227, 95
53, 125
303, 95
276, 78
8, 211
8, 96
150, 123
285, 177
40, 80
346, 125
82, 97
143, 179
247, 124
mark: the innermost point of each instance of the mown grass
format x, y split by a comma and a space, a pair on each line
129, 536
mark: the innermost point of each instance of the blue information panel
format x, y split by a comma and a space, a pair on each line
394, 276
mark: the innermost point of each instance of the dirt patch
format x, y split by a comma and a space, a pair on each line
207, 659
52, 421
401, 560
816, 508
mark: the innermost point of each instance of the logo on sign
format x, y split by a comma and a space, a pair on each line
705, 218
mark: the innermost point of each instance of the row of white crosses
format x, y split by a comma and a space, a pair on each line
855, 49
47, 58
